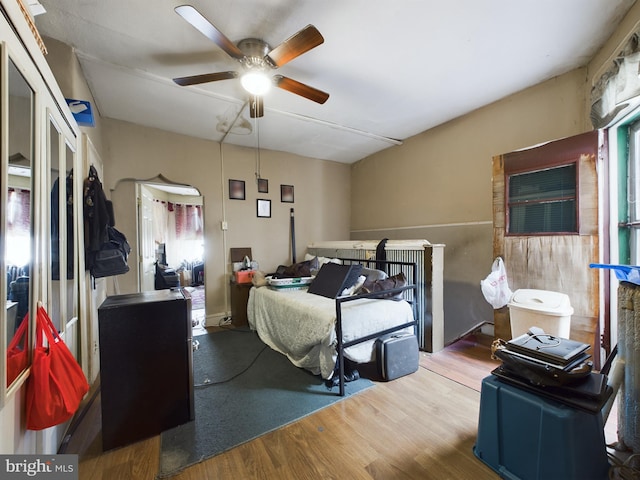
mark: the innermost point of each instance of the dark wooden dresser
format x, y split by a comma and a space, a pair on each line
239, 300
146, 360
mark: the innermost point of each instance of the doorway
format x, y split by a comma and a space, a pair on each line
171, 241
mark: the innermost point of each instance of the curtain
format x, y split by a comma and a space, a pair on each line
180, 228
18, 227
617, 91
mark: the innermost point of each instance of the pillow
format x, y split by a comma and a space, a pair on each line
366, 275
323, 260
314, 265
307, 268
355, 288
372, 274
396, 281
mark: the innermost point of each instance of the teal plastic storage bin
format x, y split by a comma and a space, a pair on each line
523, 436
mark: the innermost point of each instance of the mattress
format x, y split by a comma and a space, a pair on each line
301, 325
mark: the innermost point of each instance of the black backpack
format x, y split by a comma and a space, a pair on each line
111, 259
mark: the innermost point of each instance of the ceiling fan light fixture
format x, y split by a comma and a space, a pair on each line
257, 59
256, 83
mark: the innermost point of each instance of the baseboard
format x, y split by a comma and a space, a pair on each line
217, 319
487, 329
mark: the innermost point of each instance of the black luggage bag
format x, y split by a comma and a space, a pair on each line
397, 354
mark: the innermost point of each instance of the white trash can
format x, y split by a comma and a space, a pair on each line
550, 311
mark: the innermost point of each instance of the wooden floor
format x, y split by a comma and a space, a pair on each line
422, 426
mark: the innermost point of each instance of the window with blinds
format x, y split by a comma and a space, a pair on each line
543, 201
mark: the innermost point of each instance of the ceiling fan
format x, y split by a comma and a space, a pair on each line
257, 59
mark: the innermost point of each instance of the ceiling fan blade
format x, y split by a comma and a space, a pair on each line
204, 78
197, 20
294, 46
256, 107
301, 89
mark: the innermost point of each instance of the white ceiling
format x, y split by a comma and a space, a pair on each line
393, 68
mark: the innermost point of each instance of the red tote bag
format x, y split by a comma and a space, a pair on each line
57, 384
17, 352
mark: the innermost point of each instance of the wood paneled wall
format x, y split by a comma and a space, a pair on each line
554, 262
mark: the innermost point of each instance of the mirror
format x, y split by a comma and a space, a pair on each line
57, 224
71, 290
171, 230
18, 226
164, 224
63, 293
167, 240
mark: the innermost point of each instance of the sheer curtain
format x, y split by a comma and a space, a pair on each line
18, 227
180, 228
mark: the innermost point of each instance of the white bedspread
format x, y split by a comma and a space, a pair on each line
301, 325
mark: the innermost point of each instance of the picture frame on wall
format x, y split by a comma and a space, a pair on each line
236, 189
263, 185
263, 208
286, 193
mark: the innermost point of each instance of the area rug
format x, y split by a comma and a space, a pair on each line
243, 389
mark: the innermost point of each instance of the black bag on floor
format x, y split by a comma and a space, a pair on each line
397, 354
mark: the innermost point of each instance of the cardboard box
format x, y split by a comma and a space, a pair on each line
244, 276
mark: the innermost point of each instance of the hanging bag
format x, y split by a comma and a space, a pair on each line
57, 383
112, 257
495, 287
17, 352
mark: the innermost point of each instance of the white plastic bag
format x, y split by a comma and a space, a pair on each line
495, 287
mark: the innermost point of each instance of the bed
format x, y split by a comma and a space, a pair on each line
317, 333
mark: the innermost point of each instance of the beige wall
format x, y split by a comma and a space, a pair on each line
322, 193
441, 188
66, 68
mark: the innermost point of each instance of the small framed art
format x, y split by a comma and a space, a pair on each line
286, 193
236, 189
264, 208
263, 185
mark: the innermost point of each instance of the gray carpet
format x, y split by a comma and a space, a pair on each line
244, 389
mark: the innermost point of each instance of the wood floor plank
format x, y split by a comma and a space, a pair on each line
421, 426
357, 438
467, 361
